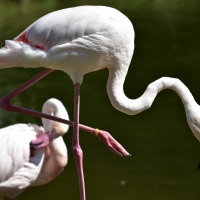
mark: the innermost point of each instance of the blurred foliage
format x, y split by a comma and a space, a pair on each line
164, 152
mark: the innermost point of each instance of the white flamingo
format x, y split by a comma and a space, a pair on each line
20, 166
78, 41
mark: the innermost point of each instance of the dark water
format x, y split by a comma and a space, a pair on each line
165, 154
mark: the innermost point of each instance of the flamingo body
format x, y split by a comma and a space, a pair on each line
21, 166
76, 40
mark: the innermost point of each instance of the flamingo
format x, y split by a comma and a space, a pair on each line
78, 41
22, 166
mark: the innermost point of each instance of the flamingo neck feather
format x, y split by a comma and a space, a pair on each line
55, 160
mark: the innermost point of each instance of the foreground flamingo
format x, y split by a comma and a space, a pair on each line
20, 166
78, 41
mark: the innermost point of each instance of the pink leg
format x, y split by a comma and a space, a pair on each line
77, 151
104, 136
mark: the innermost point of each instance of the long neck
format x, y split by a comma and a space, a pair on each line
58, 151
135, 106
54, 162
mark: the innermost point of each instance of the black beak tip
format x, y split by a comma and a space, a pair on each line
198, 167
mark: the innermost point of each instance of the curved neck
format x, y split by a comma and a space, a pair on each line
135, 106
57, 157
54, 161
58, 152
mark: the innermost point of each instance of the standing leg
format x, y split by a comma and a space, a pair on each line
77, 151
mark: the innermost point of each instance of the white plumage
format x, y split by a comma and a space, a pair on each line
14, 147
76, 40
21, 167
81, 40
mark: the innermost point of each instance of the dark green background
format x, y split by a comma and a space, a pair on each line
165, 154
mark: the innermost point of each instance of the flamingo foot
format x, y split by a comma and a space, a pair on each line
112, 144
41, 141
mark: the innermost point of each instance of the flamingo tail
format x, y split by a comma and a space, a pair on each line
5, 59
20, 54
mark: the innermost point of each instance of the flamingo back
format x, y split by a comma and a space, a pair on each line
64, 26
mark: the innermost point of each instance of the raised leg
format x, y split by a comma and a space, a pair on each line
76, 149
104, 136
6, 105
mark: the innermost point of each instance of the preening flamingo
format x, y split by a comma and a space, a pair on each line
78, 41
24, 162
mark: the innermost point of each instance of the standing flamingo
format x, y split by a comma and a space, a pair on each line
21, 166
78, 41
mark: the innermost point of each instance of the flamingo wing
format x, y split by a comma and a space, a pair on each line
64, 26
14, 148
